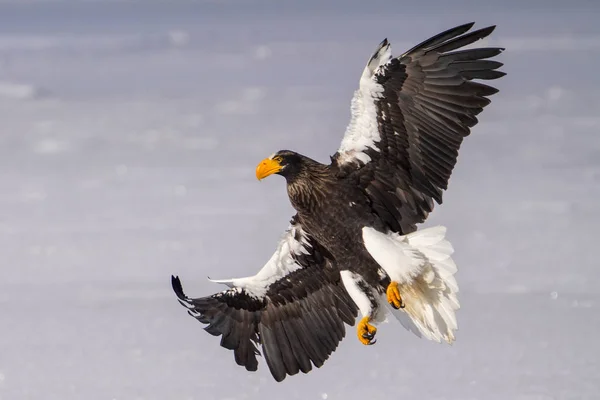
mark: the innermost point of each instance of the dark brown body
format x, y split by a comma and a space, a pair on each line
334, 212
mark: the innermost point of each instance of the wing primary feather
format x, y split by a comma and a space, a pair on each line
287, 355
230, 340
480, 89
322, 330
471, 54
347, 310
477, 65
331, 323
472, 102
462, 41
271, 350
465, 89
178, 288
290, 329
336, 325
306, 338
441, 37
314, 326
218, 325
484, 74
241, 353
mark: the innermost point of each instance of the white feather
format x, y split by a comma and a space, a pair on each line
279, 265
400, 261
226, 282
421, 263
363, 130
351, 281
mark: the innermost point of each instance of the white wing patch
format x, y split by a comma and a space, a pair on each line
363, 131
279, 265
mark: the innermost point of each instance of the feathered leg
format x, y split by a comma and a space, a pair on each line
365, 299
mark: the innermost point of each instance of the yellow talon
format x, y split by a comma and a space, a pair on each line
366, 332
393, 295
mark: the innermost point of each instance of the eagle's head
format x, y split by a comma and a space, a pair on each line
286, 163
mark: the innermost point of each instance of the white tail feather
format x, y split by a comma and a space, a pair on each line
421, 263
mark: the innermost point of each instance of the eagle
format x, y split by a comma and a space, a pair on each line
353, 245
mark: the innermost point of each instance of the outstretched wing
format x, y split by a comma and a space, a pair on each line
295, 307
409, 118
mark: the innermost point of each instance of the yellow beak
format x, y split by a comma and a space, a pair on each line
267, 167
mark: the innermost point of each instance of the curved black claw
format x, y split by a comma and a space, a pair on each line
366, 332
370, 337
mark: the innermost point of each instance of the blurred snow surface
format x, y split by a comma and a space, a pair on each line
129, 136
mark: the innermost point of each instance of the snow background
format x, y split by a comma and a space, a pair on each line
130, 133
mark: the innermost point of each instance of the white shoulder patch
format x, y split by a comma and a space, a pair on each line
279, 265
362, 132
